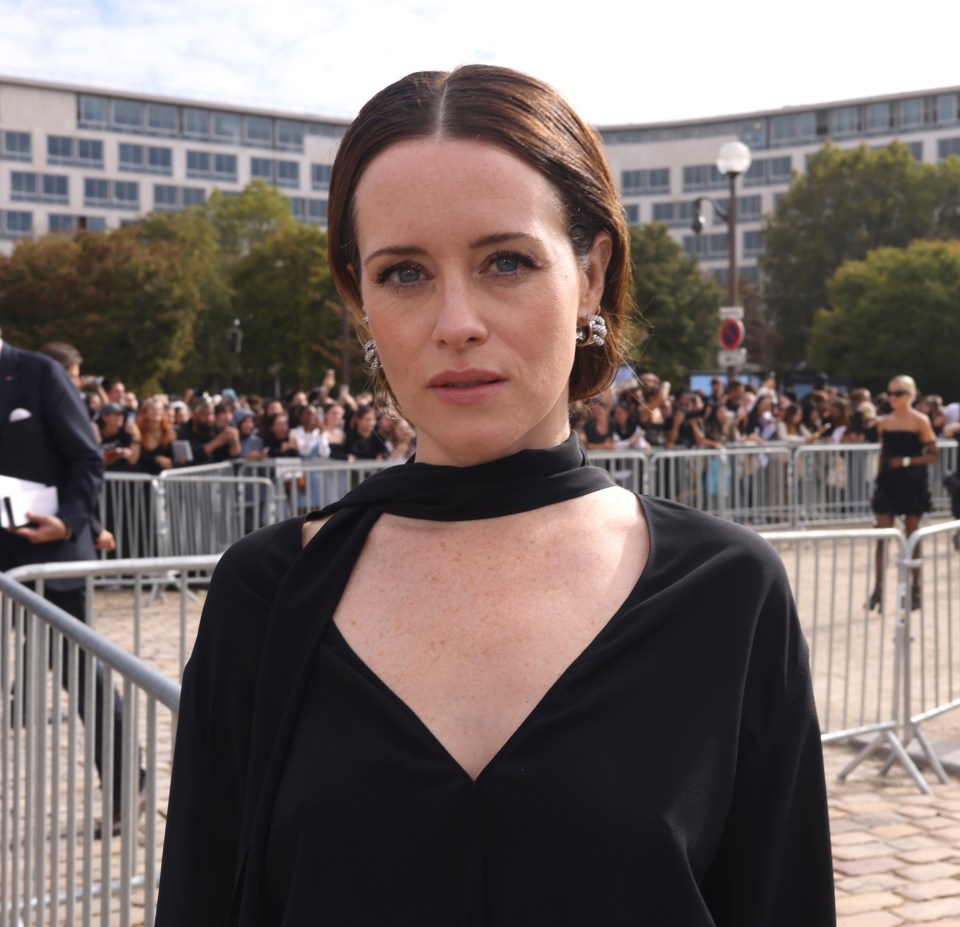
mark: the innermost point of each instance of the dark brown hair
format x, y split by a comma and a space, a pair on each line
529, 119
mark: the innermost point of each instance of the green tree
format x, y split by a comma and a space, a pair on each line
286, 302
243, 219
128, 305
848, 203
679, 308
896, 311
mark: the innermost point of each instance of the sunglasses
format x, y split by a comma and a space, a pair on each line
898, 392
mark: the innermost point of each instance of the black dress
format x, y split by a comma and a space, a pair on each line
672, 775
901, 490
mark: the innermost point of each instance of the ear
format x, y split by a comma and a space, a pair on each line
594, 273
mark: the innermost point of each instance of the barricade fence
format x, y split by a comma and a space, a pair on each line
60, 860
201, 510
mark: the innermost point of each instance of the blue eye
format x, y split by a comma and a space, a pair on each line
408, 275
507, 263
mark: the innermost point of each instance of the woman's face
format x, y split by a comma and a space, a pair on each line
473, 294
280, 427
246, 426
900, 395
366, 423
308, 419
333, 417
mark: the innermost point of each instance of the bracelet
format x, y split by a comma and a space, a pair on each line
905, 462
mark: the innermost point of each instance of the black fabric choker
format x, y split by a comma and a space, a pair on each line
524, 481
310, 592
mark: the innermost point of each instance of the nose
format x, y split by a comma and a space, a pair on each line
459, 318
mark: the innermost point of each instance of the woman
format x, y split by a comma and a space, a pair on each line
598, 430
362, 441
157, 435
409, 708
908, 447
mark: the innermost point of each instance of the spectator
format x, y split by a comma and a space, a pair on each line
251, 444
212, 439
119, 439
362, 442
157, 435
277, 440
598, 432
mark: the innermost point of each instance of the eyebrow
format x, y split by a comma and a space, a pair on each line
495, 238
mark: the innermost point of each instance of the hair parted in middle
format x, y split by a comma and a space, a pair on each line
532, 121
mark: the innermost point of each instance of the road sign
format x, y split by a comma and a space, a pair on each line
731, 333
735, 358
731, 312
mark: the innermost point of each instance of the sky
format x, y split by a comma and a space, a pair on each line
616, 61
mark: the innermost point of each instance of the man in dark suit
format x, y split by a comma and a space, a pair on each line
46, 437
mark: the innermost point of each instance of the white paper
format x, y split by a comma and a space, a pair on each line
17, 497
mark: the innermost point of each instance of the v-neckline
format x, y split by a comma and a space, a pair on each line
536, 709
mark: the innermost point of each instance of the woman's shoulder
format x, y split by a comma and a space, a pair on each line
257, 563
692, 539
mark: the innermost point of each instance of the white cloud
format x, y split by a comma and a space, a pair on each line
616, 62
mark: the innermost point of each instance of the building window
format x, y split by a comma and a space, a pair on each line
60, 224
794, 128
126, 194
781, 169
104, 194
171, 197
161, 119
146, 159
753, 243
225, 167
289, 135
261, 169
89, 152
844, 121
258, 131
55, 189
127, 116
317, 211
226, 128
166, 196
878, 117
288, 174
697, 177
60, 150
160, 160
654, 180
23, 187
198, 163
131, 157
916, 149
320, 176
947, 109
631, 212
15, 146
94, 112
664, 213
947, 147
910, 113
196, 123
15, 223
325, 130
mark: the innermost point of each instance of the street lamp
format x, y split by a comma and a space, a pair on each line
733, 159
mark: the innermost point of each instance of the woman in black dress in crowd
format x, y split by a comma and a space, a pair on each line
409, 708
908, 446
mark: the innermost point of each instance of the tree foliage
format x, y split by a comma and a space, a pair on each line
848, 203
896, 311
286, 303
127, 304
679, 308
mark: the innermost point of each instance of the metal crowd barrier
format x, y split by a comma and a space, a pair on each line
53, 868
302, 484
932, 635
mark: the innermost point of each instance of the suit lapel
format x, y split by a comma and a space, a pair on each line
9, 364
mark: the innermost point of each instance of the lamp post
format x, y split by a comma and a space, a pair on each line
733, 159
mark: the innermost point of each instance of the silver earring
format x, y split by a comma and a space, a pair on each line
593, 331
370, 355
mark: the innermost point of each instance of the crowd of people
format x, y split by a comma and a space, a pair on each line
644, 413
162, 432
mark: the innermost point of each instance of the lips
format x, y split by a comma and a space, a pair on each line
465, 387
463, 379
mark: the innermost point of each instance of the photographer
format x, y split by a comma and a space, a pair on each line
686, 423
